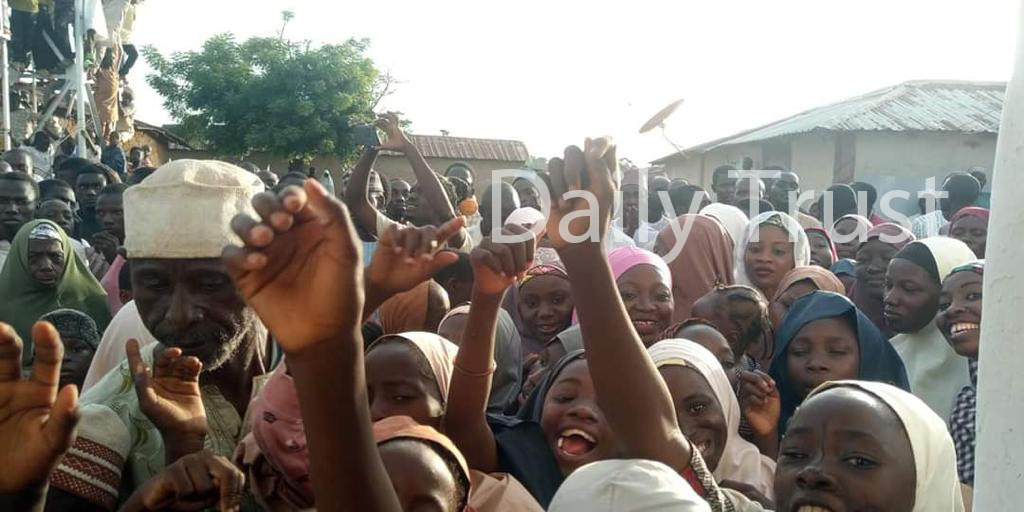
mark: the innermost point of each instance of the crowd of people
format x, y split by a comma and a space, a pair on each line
202, 335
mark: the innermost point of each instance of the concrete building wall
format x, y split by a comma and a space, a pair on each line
904, 160
812, 157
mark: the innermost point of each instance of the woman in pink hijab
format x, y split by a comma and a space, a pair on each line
645, 285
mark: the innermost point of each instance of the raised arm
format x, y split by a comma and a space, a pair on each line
429, 183
37, 423
495, 268
630, 392
301, 271
356, 193
405, 257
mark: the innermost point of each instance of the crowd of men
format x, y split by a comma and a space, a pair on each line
209, 335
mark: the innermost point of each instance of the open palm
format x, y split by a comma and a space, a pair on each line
37, 423
169, 394
589, 171
300, 268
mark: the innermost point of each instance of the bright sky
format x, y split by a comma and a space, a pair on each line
552, 72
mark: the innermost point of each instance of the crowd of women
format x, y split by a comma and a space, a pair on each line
744, 364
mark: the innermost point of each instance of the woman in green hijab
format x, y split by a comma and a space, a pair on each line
42, 274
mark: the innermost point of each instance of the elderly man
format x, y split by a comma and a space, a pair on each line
176, 224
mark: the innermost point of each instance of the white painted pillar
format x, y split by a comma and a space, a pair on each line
999, 461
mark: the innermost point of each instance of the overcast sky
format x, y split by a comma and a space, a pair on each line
552, 72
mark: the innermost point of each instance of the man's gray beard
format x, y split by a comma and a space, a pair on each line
250, 325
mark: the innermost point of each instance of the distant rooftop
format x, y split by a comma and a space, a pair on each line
463, 148
919, 105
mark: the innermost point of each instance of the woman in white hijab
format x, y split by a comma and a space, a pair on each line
626, 485
730, 217
781, 245
913, 283
730, 457
893, 433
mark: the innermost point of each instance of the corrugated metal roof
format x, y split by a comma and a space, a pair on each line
462, 148
920, 105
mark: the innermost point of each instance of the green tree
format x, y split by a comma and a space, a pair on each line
268, 95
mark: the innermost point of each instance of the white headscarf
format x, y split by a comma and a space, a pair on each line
938, 487
439, 353
936, 372
801, 248
621, 485
730, 217
741, 461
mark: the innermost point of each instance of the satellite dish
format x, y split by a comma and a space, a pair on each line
658, 120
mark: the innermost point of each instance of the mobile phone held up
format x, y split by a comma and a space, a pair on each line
365, 135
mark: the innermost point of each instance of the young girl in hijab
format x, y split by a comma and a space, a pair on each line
959, 320
43, 273
823, 337
904, 459
644, 283
873, 256
847, 233
912, 286
541, 305
709, 414
80, 338
970, 226
705, 334
799, 282
823, 251
781, 246
740, 313
845, 271
703, 259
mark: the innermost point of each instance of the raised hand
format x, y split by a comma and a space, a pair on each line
194, 482
392, 128
300, 268
405, 257
496, 266
37, 423
760, 402
590, 170
169, 396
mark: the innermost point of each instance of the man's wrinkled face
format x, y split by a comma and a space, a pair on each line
192, 304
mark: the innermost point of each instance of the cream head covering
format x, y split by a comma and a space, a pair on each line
184, 209
621, 485
741, 461
938, 487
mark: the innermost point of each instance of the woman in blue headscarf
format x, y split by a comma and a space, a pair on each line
823, 337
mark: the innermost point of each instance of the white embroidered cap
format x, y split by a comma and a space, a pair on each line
184, 209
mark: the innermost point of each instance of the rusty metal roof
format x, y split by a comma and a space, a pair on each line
920, 105
462, 148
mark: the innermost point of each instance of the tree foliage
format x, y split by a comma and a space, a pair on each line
267, 95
